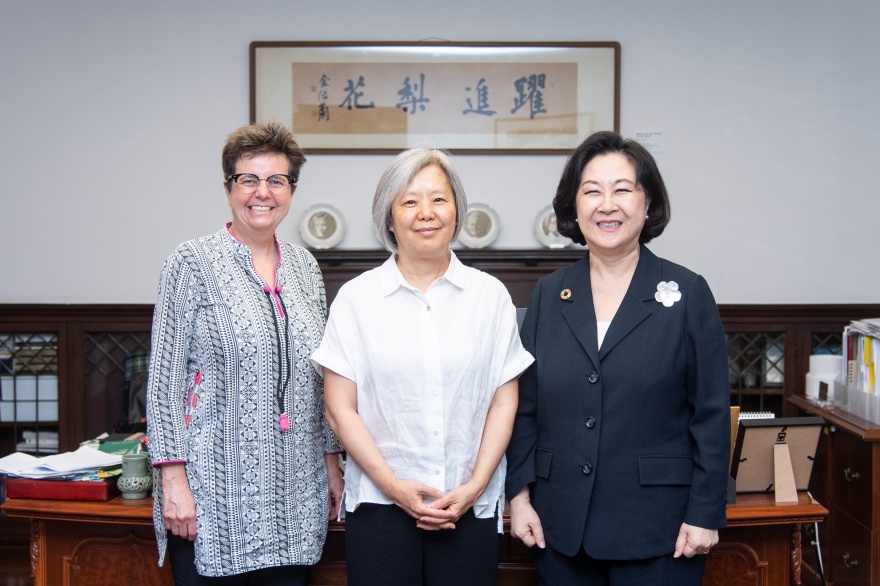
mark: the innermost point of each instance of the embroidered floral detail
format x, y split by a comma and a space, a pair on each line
667, 293
192, 395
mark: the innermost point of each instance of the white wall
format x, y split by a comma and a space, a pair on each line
113, 114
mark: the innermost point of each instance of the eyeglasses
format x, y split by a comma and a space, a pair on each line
248, 182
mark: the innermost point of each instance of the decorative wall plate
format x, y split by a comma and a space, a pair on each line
321, 226
481, 226
545, 229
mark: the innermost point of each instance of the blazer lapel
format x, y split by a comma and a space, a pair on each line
635, 307
579, 313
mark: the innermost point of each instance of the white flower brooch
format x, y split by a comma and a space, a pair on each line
667, 293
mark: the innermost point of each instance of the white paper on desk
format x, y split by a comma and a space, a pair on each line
68, 464
12, 463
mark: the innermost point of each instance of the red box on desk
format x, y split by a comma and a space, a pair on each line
65, 490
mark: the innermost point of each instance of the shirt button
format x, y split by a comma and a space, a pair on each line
434, 393
587, 469
436, 472
593, 378
428, 308
436, 433
590, 422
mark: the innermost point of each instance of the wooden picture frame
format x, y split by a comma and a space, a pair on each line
477, 97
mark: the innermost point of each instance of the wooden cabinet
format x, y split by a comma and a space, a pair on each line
93, 342
761, 545
847, 473
94, 543
851, 563
89, 347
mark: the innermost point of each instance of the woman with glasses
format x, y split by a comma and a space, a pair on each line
235, 416
420, 361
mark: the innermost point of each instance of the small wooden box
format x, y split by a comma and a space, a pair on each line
66, 490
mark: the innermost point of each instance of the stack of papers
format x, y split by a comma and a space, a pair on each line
868, 327
84, 462
861, 340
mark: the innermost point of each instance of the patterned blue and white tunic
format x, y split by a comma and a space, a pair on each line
228, 358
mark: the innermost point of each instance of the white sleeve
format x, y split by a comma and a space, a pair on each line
338, 347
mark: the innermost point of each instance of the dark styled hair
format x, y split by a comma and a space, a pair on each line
647, 177
261, 139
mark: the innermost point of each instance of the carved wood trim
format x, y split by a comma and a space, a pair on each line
36, 527
128, 557
739, 555
796, 554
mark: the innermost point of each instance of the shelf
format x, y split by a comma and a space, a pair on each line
756, 391
836, 415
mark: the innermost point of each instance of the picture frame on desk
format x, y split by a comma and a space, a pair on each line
752, 464
469, 97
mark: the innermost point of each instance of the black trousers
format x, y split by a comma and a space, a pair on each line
384, 547
556, 569
183, 566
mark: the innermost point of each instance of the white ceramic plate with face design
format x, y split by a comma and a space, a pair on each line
480, 226
545, 229
321, 226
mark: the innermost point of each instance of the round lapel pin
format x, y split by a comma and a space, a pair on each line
565, 295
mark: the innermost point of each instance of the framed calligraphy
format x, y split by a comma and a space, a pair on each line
500, 98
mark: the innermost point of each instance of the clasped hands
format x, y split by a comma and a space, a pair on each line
442, 512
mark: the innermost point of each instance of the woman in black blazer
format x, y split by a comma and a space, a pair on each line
618, 463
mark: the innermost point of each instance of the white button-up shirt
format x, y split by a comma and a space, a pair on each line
427, 366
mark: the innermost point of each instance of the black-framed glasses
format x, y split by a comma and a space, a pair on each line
249, 182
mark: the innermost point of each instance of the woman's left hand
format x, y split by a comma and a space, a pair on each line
694, 541
457, 501
496, 434
335, 484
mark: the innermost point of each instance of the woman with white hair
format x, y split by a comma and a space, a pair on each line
420, 360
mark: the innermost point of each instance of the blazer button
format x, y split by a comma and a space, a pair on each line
593, 378
590, 422
587, 469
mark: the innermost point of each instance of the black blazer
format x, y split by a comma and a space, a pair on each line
620, 446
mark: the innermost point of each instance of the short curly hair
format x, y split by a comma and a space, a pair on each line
647, 176
262, 139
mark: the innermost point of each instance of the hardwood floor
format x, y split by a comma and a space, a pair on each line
15, 567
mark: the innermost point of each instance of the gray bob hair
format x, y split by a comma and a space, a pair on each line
397, 176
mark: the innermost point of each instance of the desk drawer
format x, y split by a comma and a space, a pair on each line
851, 561
851, 476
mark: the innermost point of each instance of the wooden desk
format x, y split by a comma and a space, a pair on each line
76, 543
761, 545
89, 543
